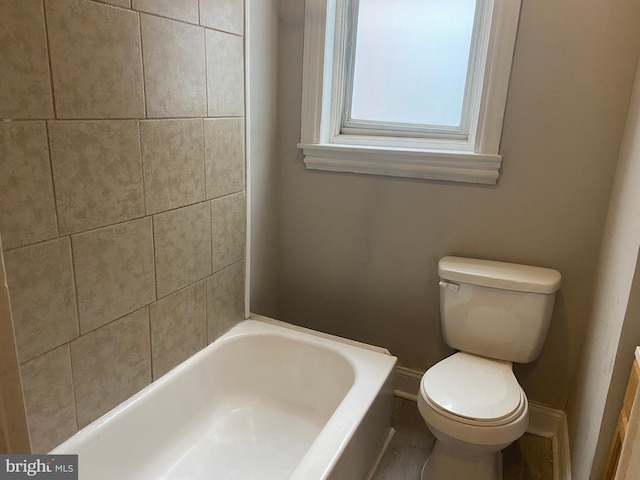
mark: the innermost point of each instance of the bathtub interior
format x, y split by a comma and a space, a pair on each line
250, 406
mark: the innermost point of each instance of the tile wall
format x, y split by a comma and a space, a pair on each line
122, 194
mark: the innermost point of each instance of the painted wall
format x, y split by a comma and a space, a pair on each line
614, 328
121, 195
262, 41
358, 253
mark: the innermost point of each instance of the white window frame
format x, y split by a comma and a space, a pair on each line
471, 155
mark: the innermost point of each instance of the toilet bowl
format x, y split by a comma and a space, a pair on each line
493, 314
474, 407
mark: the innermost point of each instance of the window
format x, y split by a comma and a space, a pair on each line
409, 67
412, 88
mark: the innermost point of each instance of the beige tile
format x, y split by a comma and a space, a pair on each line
25, 86
227, 15
117, 3
174, 68
225, 74
110, 365
48, 396
96, 58
97, 173
173, 161
27, 206
227, 230
13, 417
185, 10
225, 300
224, 155
183, 247
178, 327
114, 271
43, 300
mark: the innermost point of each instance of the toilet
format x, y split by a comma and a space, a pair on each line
493, 314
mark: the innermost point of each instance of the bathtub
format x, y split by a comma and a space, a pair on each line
265, 401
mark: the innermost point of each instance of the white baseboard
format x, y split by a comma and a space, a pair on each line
543, 421
407, 383
551, 423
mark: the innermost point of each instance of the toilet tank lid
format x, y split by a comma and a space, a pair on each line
507, 276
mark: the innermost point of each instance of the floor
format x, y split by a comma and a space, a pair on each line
529, 458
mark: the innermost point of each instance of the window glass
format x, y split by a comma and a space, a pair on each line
411, 60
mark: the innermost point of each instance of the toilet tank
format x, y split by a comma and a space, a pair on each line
496, 309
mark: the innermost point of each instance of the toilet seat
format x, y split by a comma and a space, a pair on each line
474, 390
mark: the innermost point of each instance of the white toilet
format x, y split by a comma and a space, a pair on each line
493, 313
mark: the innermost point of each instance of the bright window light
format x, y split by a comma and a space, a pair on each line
411, 60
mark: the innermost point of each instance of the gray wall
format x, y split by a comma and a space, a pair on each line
614, 329
357, 254
262, 47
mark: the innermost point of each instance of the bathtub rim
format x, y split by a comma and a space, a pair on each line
316, 333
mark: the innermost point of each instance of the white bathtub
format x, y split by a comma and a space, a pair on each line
264, 401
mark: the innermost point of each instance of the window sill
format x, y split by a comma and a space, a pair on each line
451, 166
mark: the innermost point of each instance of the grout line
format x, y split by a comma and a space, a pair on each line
144, 76
166, 17
111, 5
152, 376
226, 267
204, 163
206, 73
153, 247
93, 229
40, 242
49, 64
134, 219
142, 170
75, 286
73, 387
110, 322
93, 330
212, 236
206, 310
53, 182
182, 289
115, 119
200, 202
199, 25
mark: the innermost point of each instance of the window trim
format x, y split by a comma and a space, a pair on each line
475, 159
